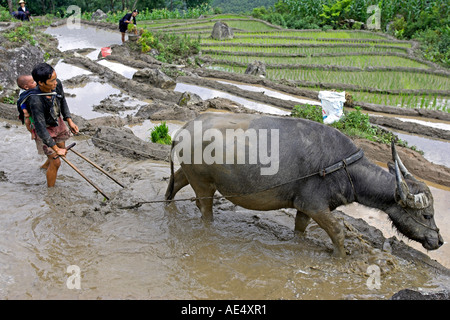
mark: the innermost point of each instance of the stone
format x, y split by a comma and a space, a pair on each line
161, 110
189, 99
222, 31
256, 68
99, 15
18, 61
154, 77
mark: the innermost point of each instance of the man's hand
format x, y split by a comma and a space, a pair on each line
73, 126
59, 152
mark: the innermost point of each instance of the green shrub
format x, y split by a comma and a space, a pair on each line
353, 123
4, 14
259, 13
160, 134
337, 12
357, 124
310, 112
171, 47
435, 44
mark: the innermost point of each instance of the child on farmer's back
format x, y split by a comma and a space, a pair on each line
25, 83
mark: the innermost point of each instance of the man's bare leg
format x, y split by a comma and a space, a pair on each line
45, 165
53, 166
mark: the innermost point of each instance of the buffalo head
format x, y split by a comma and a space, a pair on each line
413, 212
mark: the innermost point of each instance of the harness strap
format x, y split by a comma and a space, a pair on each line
342, 164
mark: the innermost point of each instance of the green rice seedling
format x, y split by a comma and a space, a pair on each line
160, 134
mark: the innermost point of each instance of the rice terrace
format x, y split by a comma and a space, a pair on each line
374, 185
371, 66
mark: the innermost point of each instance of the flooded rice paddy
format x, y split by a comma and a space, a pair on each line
160, 251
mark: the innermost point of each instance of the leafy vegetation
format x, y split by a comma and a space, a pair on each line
353, 123
239, 6
171, 47
160, 134
21, 34
335, 13
4, 14
307, 111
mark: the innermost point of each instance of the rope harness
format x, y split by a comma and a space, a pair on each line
344, 163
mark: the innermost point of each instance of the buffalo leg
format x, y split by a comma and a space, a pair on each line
333, 228
301, 221
179, 181
204, 193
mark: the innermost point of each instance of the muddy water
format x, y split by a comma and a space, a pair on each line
126, 71
162, 251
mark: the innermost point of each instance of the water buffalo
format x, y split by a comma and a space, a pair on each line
266, 163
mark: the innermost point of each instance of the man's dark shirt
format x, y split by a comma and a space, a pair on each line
45, 114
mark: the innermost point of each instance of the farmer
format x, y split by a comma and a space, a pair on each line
23, 13
49, 112
123, 23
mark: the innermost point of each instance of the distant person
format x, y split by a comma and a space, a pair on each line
125, 21
23, 13
49, 110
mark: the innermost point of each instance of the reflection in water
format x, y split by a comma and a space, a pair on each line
124, 70
433, 124
87, 96
206, 93
83, 37
272, 93
66, 71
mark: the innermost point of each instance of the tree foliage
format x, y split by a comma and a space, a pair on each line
43, 7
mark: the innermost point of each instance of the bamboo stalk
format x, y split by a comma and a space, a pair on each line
85, 178
97, 167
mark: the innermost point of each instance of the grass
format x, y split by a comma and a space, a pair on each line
318, 34
299, 50
360, 61
292, 41
383, 80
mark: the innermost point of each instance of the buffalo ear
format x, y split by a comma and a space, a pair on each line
391, 167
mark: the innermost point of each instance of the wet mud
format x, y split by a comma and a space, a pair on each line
157, 250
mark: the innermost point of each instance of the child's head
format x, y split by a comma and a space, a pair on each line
26, 82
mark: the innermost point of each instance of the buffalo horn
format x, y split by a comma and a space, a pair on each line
415, 201
403, 169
